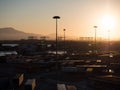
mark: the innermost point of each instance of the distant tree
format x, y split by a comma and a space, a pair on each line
32, 37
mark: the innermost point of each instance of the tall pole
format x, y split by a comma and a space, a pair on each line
110, 55
109, 42
56, 18
95, 39
64, 40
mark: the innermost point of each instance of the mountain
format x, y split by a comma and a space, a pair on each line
10, 33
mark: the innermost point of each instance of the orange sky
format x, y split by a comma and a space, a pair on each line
77, 16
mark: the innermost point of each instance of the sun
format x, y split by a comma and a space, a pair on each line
108, 26
108, 22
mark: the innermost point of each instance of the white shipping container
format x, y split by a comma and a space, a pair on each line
30, 84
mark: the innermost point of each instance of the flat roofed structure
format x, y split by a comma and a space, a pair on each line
106, 82
71, 87
66, 87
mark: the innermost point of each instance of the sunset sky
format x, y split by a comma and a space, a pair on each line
77, 16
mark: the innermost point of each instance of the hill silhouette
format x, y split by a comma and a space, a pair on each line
10, 33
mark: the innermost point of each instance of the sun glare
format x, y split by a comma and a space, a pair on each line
108, 22
108, 26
